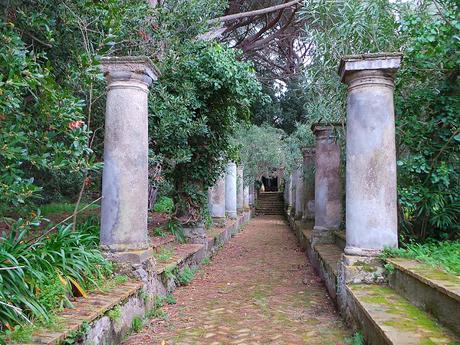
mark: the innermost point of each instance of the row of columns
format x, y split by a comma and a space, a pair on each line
370, 188
229, 196
371, 217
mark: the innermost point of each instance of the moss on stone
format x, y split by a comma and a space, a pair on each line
402, 315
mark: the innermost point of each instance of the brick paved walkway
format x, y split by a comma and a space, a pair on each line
259, 289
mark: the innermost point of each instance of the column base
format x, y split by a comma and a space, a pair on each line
195, 234
322, 235
232, 214
219, 221
129, 256
240, 211
354, 269
349, 250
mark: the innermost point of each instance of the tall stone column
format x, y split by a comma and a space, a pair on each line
125, 176
289, 187
309, 183
299, 194
251, 195
328, 199
230, 190
246, 198
239, 190
371, 213
217, 199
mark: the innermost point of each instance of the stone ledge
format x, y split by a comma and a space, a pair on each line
340, 239
429, 289
387, 318
87, 310
447, 284
330, 254
182, 252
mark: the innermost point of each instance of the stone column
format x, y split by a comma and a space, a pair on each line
230, 190
289, 186
246, 198
125, 176
217, 199
240, 190
299, 193
371, 213
251, 195
328, 199
309, 183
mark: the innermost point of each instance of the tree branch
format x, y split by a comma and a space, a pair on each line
253, 13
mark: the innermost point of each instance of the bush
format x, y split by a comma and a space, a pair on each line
164, 205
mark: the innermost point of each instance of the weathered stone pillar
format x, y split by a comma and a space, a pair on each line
217, 199
251, 195
246, 198
309, 183
328, 200
371, 214
289, 187
230, 190
125, 176
298, 193
240, 190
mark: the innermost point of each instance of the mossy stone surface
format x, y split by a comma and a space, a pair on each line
401, 322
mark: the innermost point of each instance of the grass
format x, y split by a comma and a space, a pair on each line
163, 255
444, 255
63, 207
186, 276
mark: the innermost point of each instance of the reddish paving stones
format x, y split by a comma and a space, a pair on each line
259, 289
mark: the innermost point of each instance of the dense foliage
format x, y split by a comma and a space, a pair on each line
204, 94
427, 95
52, 105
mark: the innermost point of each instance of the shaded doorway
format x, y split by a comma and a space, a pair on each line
270, 184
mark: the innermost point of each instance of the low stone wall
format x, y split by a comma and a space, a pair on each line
106, 318
393, 309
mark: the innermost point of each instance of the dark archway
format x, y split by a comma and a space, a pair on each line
270, 184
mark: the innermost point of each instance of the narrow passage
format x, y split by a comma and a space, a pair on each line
259, 289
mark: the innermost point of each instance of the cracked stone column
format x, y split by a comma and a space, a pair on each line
125, 176
309, 183
298, 193
217, 199
240, 190
328, 198
230, 190
371, 214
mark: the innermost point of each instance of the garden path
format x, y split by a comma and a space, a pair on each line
258, 289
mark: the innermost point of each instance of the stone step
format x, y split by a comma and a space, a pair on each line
188, 253
86, 311
388, 318
428, 288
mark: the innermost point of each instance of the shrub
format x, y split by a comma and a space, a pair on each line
164, 205
37, 273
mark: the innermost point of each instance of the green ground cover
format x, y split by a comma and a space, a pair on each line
442, 254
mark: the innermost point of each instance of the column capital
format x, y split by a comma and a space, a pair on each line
324, 130
357, 70
308, 151
129, 72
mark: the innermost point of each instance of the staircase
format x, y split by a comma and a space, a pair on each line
270, 203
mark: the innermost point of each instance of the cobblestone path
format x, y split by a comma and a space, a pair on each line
259, 289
